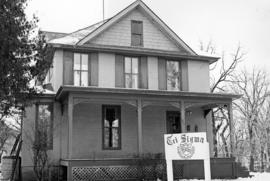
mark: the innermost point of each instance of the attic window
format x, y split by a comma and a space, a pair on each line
136, 33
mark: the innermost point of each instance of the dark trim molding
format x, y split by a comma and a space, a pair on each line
140, 51
64, 90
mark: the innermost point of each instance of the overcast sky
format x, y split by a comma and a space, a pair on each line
226, 22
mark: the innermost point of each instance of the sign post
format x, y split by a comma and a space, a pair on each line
187, 146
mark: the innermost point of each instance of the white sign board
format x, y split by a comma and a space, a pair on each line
187, 146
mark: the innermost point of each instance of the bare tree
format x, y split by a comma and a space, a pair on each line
5, 133
221, 74
252, 108
9, 129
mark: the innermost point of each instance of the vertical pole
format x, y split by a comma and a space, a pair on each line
169, 170
139, 115
103, 10
230, 115
206, 162
182, 114
70, 125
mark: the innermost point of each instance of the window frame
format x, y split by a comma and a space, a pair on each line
118, 109
179, 68
133, 33
131, 74
80, 70
50, 139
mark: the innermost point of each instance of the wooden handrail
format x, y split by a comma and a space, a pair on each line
18, 137
19, 143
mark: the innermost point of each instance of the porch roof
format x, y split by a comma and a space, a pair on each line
63, 91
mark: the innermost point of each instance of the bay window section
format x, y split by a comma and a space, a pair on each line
80, 69
173, 75
131, 72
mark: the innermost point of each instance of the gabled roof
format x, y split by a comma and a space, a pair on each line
149, 12
53, 35
82, 36
74, 37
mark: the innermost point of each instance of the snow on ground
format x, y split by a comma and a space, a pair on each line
255, 177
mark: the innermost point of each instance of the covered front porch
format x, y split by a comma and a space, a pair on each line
145, 116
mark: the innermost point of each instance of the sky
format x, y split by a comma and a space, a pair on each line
227, 23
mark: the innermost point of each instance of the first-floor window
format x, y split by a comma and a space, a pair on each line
131, 72
44, 125
173, 75
80, 68
111, 126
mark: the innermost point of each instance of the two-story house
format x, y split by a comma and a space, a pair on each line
118, 87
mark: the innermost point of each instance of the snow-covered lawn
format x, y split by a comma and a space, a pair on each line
255, 177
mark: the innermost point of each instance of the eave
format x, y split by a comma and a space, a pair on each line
134, 50
63, 91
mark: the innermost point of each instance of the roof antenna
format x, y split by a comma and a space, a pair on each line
103, 9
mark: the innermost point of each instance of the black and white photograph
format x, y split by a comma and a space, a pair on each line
143, 90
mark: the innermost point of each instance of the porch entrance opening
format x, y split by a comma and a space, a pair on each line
173, 122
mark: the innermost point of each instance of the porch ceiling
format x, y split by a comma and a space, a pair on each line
209, 99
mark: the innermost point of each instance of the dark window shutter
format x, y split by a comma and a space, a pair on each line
162, 75
136, 27
136, 33
119, 71
93, 69
184, 75
68, 68
143, 73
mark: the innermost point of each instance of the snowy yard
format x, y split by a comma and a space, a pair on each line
255, 177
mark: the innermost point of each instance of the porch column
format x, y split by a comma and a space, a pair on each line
183, 116
70, 126
139, 115
230, 115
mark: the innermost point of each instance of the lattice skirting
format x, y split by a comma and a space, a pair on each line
104, 173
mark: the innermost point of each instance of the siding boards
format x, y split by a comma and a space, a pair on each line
162, 82
143, 73
93, 69
68, 68
119, 71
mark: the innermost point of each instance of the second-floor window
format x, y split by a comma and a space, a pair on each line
136, 33
80, 69
131, 72
173, 75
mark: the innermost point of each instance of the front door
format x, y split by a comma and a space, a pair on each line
173, 122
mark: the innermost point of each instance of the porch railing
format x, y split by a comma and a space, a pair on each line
134, 169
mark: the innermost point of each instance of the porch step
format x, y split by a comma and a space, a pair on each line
241, 171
